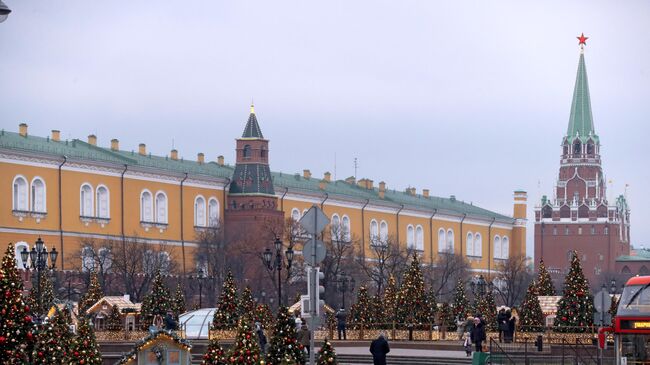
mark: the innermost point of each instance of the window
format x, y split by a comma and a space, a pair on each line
103, 209
263, 152
20, 194
87, 259
450, 240
148, 263
19, 248
161, 207
199, 211
470, 244
335, 228
346, 228
105, 259
579, 230
505, 248
606, 230
410, 237
419, 238
593, 230
165, 262
213, 212
146, 206
554, 231
295, 214
497, 247
38, 195
247, 151
478, 245
86, 201
566, 230
374, 230
383, 231
442, 239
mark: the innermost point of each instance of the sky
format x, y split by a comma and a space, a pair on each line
469, 98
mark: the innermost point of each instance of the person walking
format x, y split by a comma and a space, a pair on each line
303, 337
469, 324
379, 348
341, 317
478, 334
512, 321
502, 323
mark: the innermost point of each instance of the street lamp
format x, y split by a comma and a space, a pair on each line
478, 286
200, 278
344, 283
612, 289
4, 11
271, 265
38, 257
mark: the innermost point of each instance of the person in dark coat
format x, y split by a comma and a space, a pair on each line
341, 317
170, 322
379, 348
502, 323
478, 334
512, 320
261, 337
303, 336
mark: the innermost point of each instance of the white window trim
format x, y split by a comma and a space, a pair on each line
18, 249
335, 229
142, 210
32, 199
478, 239
383, 235
81, 201
442, 246
14, 193
419, 244
497, 252
210, 200
108, 202
295, 212
205, 212
410, 237
374, 235
347, 230
157, 219
450, 245
505, 247
469, 244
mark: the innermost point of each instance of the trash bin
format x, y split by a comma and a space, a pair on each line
479, 358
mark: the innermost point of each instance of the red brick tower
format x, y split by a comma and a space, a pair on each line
580, 216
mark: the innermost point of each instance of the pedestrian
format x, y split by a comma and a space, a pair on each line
469, 324
468, 344
478, 334
379, 348
170, 322
303, 337
298, 324
512, 321
261, 337
341, 317
502, 323
460, 326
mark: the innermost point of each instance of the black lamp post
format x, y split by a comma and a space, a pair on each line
612, 289
478, 286
38, 257
201, 277
271, 265
4, 11
344, 283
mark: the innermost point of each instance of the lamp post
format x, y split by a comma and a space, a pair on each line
612, 289
38, 257
4, 11
200, 277
478, 285
344, 283
277, 265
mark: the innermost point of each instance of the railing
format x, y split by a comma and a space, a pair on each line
578, 355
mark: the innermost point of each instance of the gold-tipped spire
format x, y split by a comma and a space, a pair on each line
252, 107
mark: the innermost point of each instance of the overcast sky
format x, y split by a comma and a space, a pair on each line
465, 98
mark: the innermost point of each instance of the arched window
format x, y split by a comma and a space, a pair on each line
295, 214
87, 259
547, 211
470, 244
38, 195
86, 201
374, 230
643, 270
19, 248
247, 151
199, 211
383, 231
263, 152
165, 262
505, 248
590, 148
497, 247
105, 259
161, 207
146, 206
410, 237
478, 245
442, 241
626, 270
335, 228
213, 212
419, 238
149, 262
577, 148
345, 223
103, 201
450, 240
20, 197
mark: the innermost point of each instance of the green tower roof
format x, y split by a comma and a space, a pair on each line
581, 122
252, 129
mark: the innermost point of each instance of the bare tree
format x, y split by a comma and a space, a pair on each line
210, 258
512, 280
339, 259
387, 258
445, 272
95, 255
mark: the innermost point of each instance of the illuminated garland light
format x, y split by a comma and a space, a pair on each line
575, 309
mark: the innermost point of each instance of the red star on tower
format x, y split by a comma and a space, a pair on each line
582, 39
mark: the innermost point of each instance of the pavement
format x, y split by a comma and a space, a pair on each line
345, 350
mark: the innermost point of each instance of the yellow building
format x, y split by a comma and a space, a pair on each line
67, 191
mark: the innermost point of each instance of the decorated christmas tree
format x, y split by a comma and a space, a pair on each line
460, 303
430, 307
391, 298
283, 346
246, 303
157, 302
84, 349
377, 311
575, 311
531, 316
42, 306
326, 355
54, 340
544, 282
361, 313
214, 354
178, 303
447, 319
245, 350
93, 295
263, 315
16, 327
486, 306
226, 316
114, 322
411, 305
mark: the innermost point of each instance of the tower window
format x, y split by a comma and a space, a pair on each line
263, 152
579, 230
606, 230
593, 230
566, 230
247, 151
590, 149
577, 148
554, 231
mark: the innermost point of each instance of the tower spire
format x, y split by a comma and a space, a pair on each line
580, 120
252, 129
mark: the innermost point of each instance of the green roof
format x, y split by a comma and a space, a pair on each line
78, 149
581, 122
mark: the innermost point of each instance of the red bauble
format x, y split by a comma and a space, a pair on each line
82, 361
2, 339
40, 354
76, 353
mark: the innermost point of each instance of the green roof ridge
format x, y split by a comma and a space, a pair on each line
581, 120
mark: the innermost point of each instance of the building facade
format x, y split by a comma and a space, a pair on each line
67, 191
580, 216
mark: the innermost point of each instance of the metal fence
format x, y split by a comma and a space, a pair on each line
537, 352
